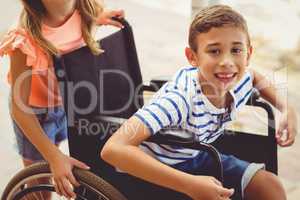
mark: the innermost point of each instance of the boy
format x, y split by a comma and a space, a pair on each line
201, 100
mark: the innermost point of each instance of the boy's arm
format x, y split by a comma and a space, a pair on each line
288, 121
122, 151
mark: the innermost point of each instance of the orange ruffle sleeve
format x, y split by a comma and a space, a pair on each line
19, 39
44, 87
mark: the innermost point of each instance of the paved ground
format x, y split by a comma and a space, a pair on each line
160, 39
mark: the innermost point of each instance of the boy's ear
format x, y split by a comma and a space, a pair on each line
249, 54
191, 56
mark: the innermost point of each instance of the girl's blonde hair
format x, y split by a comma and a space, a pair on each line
34, 11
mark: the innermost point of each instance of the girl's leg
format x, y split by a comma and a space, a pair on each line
265, 186
54, 124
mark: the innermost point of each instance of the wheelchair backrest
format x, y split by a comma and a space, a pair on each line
93, 85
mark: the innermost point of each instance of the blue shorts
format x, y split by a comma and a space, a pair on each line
237, 173
54, 123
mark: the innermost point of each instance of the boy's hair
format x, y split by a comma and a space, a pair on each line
214, 17
34, 11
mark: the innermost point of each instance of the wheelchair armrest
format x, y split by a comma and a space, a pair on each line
156, 84
254, 97
160, 81
117, 121
172, 138
257, 101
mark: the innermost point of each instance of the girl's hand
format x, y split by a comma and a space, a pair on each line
61, 167
207, 188
106, 18
287, 129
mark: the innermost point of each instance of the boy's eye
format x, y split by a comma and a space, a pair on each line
236, 50
214, 51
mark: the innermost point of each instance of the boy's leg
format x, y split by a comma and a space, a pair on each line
237, 173
264, 186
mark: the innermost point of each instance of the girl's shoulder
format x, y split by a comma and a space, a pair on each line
19, 38
14, 39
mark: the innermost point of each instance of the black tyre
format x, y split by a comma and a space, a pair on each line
91, 186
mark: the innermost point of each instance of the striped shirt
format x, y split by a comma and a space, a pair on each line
180, 104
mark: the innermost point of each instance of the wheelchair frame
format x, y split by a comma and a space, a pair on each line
267, 144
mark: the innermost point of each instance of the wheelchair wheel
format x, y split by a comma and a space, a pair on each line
91, 186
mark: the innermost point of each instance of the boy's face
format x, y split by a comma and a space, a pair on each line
223, 54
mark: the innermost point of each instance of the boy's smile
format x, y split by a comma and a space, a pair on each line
222, 54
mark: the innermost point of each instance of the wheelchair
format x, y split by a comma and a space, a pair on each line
109, 78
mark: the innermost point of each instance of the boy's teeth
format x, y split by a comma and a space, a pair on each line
225, 75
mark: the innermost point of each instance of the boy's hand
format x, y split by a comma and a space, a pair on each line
207, 188
106, 18
63, 177
287, 129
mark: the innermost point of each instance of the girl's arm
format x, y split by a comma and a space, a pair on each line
288, 121
122, 151
60, 164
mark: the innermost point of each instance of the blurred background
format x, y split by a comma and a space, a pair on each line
161, 28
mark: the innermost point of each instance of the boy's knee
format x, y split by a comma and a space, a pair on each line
271, 180
265, 185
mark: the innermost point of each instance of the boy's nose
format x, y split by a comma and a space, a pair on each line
226, 62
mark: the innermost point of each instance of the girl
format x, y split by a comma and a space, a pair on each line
47, 28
